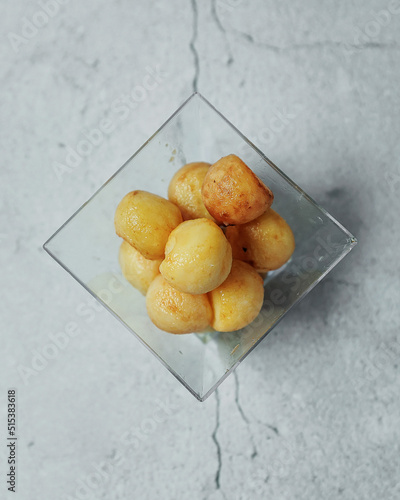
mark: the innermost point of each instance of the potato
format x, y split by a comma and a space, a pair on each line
177, 312
198, 257
138, 270
145, 221
266, 242
185, 190
238, 301
233, 194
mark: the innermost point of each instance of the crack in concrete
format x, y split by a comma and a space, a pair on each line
214, 438
368, 45
313, 45
243, 415
193, 47
220, 26
214, 14
271, 427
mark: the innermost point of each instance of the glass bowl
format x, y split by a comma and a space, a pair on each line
87, 247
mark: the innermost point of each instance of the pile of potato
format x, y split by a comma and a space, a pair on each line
194, 273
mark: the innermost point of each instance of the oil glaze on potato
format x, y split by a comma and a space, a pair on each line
238, 300
233, 194
185, 190
177, 312
198, 257
266, 242
145, 221
138, 270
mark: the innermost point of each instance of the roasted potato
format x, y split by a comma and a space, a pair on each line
238, 300
198, 257
145, 221
266, 242
138, 270
233, 194
185, 190
177, 312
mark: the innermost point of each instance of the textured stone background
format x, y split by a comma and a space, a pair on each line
314, 411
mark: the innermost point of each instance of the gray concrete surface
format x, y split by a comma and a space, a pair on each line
313, 413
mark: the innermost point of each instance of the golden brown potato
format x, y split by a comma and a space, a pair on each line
138, 270
198, 257
266, 242
145, 221
239, 249
233, 194
185, 190
239, 299
177, 312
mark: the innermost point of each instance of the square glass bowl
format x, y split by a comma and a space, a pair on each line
87, 246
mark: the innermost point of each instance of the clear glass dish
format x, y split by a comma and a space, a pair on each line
87, 247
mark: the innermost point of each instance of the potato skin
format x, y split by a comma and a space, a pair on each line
266, 242
138, 270
238, 300
198, 257
145, 221
233, 194
185, 190
177, 312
